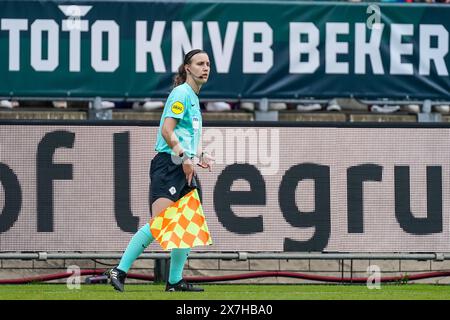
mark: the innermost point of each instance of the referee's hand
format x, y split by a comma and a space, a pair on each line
206, 161
188, 169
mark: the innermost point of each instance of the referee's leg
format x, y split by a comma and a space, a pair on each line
178, 256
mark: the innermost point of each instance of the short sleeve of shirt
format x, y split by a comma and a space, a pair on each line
175, 106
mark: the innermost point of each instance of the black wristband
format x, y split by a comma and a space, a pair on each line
183, 156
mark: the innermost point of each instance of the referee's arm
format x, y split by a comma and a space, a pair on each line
168, 133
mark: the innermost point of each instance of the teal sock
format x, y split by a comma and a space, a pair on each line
136, 246
177, 259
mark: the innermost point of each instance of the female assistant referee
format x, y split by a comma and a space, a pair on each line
172, 172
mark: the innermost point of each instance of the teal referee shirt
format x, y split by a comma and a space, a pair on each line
182, 104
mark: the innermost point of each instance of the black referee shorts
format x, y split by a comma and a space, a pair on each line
167, 179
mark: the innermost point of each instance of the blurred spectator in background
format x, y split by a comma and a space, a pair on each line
386, 108
154, 105
107, 104
411, 108
335, 104
218, 106
149, 105
9, 104
59, 104
442, 108
273, 106
309, 107
277, 106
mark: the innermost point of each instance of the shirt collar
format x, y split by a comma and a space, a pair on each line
190, 89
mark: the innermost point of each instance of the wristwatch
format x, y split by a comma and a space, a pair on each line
183, 156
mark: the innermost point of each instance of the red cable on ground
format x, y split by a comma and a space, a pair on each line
61, 275
317, 277
261, 274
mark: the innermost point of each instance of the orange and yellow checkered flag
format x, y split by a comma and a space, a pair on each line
182, 225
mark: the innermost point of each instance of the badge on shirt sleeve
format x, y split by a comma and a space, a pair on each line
177, 107
195, 123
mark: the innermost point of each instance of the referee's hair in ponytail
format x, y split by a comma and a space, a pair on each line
181, 75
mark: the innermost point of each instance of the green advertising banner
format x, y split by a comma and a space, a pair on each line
273, 49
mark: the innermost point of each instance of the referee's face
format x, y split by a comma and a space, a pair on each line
199, 68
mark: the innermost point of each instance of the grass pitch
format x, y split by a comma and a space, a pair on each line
227, 292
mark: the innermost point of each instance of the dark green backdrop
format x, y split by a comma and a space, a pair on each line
277, 82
